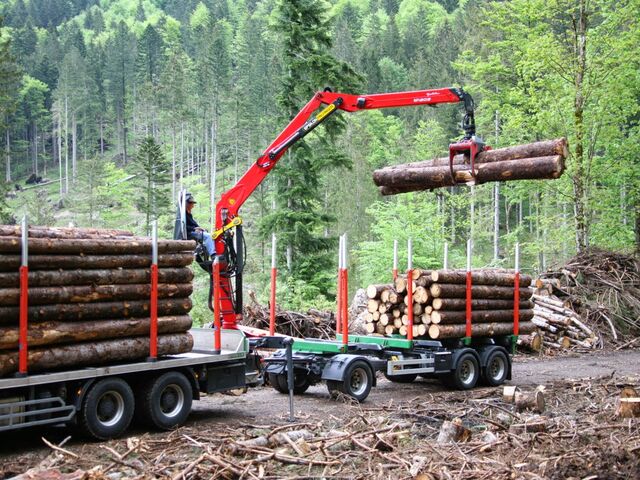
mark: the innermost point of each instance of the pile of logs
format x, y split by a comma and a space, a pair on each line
559, 326
89, 297
439, 304
539, 160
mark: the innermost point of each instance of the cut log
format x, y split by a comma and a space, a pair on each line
509, 393
447, 290
76, 312
390, 330
479, 330
97, 293
384, 295
370, 327
480, 316
533, 401
628, 403
52, 278
453, 431
50, 333
532, 425
400, 284
372, 305
416, 179
11, 263
95, 353
63, 232
452, 304
531, 342
421, 295
480, 277
384, 319
374, 291
94, 246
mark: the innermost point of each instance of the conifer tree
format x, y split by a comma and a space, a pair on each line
153, 181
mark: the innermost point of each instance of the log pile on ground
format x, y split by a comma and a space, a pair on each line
603, 288
535, 161
439, 304
312, 324
89, 297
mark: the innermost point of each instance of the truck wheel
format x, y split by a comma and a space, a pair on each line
300, 383
495, 373
405, 378
165, 402
357, 383
107, 409
275, 383
467, 372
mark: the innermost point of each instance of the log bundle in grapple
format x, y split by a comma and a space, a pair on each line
89, 297
439, 304
535, 161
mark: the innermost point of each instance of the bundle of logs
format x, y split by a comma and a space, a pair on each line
539, 160
559, 326
439, 303
89, 297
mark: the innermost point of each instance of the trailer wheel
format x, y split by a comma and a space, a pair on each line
495, 373
357, 383
275, 383
165, 402
107, 409
467, 372
300, 383
403, 378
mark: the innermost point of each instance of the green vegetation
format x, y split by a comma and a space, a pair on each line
117, 104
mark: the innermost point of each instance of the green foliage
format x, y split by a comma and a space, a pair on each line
152, 169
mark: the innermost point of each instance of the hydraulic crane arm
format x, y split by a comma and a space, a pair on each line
303, 123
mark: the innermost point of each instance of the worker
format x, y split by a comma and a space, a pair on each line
195, 231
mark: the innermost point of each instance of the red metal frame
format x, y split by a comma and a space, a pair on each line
468, 305
231, 201
272, 305
410, 303
153, 312
516, 304
24, 310
345, 306
339, 302
217, 340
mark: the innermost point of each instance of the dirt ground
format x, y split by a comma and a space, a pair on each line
391, 435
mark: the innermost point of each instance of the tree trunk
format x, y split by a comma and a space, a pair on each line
76, 312
482, 277
95, 353
479, 330
10, 263
7, 151
531, 342
455, 304
94, 246
443, 290
480, 316
51, 333
63, 232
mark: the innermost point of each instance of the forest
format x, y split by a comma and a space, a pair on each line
108, 108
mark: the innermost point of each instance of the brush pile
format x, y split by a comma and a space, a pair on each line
89, 297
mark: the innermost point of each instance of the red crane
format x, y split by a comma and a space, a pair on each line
230, 256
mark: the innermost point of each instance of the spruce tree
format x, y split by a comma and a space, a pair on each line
153, 179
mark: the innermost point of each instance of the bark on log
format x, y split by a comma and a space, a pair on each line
479, 316
95, 353
448, 290
453, 304
544, 148
374, 291
77, 312
479, 330
628, 403
11, 263
90, 294
530, 401
63, 232
52, 278
417, 179
480, 277
50, 333
509, 393
94, 246
531, 342
453, 431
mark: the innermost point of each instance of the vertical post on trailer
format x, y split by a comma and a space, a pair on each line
24, 301
345, 294
153, 308
339, 289
467, 339
516, 300
216, 306
395, 260
445, 262
274, 274
410, 288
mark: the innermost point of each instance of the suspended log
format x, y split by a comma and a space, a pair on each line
50, 333
51, 278
96, 293
479, 330
95, 353
544, 148
11, 263
448, 290
481, 316
64, 232
97, 246
452, 304
416, 179
76, 312
480, 277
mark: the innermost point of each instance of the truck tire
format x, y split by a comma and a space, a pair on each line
107, 409
300, 383
467, 372
275, 383
165, 402
495, 373
357, 383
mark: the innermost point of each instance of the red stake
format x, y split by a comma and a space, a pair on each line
153, 313
23, 344
468, 303
274, 276
516, 294
345, 294
216, 306
410, 288
339, 290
